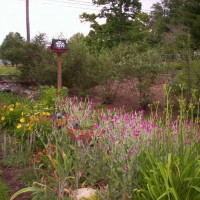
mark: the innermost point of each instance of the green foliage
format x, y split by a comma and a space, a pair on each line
144, 66
10, 115
188, 74
56, 175
110, 70
9, 70
4, 191
10, 98
175, 13
14, 153
79, 66
38, 65
12, 48
47, 95
122, 23
170, 178
40, 40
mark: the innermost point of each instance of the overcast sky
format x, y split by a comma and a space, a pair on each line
49, 16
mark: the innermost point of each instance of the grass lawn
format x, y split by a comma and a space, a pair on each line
8, 69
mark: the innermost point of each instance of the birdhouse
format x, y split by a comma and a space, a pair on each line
59, 46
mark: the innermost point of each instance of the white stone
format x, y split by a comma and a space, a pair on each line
84, 194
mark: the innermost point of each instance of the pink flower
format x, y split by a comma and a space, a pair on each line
187, 142
132, 151
102, 133
127, 158
136, 133
122, 133
110, 149
67, 117
141, 112
125, 168
96, 125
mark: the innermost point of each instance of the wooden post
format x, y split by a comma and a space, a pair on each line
59, 71
27, 21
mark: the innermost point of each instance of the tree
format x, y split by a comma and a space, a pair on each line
41, 40
176, 13
158, 23
119, 15
12, 48
191, 18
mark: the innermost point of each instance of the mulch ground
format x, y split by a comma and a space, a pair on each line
11, 177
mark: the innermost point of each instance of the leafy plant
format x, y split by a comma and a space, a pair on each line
4, 191
169, 178
14, 153
47, 95
56, 177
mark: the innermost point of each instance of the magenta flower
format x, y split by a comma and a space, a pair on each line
122, 133
136, 133
127, 158
110, 149
125, 168
132, 151
96, 125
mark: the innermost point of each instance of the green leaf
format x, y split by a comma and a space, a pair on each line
196, 188
164, 194
24, 190
173, 191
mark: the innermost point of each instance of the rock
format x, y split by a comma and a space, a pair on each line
27, 92
17, 88
5, 90
84, 194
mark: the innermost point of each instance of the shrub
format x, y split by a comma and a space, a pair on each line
38, 65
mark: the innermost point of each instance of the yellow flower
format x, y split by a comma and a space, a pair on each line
11, 109
19, 126
17, 103
2, 118
48, 114
22, 120
29, 128
27, 125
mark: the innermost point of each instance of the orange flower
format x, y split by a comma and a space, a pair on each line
2, 118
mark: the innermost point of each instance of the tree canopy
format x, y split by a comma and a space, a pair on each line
173, 13
12, 48
123, 21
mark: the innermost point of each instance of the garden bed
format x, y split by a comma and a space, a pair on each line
119, 158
